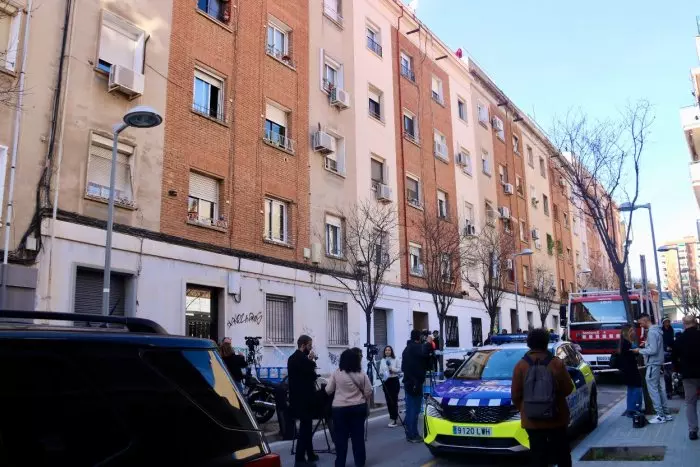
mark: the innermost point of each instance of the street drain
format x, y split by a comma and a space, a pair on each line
632, 453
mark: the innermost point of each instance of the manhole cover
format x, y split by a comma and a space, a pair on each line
631, 453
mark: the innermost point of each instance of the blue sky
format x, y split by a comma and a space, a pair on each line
549, 56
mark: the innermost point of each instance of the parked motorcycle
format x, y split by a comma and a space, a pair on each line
260, 396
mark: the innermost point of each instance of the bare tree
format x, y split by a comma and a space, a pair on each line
486, 259
687, 300
442, 263
367, 252
601, 275
544, 291
602, 160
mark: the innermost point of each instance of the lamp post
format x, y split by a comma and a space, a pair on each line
665, 248
579, 274
138, 117
525, 252
629, 207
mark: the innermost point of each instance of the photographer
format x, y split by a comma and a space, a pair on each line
301, 373
414, 363
234, 362
389, 371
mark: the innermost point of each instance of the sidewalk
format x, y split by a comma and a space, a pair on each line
615, 430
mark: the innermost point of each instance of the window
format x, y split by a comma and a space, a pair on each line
545, 204
562, 286
526, 275
568, 253
333, 10
276, 127
100, 167
374, 40
208, 95
121, 43
571, 287
375, 103
330, 76
578, 259
543, 170
451, 331
566, 219
574, 224
410, 126
498, 128
560, 250
466, 161
502, 174
555, 212
533, 196
407, 67
334, 228
469, 212
485, 163
523, 231
279, 319
507, 225
462, 109
550, 244
335, 161
530, 157
482, 113
278, 40
337, 323
440, 142
203, 200
516, 144
490, 212
213, 8
415, 259
377, 169
442, 204
413, 191
436, 89
276, 220
446, 267
519, 185
381, 248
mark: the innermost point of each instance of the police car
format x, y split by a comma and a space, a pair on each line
472, 410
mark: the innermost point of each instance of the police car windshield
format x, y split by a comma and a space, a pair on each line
602, 311
491, 364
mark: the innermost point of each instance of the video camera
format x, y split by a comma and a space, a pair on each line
372, 350
252, 342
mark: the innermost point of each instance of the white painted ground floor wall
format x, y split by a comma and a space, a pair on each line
159, 273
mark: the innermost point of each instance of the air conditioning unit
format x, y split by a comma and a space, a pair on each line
535, 234
535, 201
461, 159
508, 188
383, 192
469, 230
340, 98
509, 264
504, 212
126, 81
561, 182
316, 253
323, 142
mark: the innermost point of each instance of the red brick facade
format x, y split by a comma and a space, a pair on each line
561, 225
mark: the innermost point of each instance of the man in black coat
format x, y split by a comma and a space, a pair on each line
414, 364
686, 358
669, 335
301, 372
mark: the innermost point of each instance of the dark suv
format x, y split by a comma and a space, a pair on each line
114, 391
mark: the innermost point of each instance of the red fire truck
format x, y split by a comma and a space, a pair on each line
596, 317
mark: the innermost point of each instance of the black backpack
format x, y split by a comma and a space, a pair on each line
539, 390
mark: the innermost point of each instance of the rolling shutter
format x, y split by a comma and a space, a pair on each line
380, 329
203, 187
88, 292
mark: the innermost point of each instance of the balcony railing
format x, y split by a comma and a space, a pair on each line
374, 114
331, 164
195, 218
412, 198
280, 141
280, 55
217, 114
411, 136
438, 98
408, 73
374, 46
332, 14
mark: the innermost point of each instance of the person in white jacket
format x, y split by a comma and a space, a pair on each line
653, 352
389, 370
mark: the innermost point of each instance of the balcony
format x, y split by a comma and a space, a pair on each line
408, 73
279, 141
695, 179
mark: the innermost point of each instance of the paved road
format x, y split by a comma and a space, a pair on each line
387, 447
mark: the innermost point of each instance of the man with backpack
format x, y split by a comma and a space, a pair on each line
539, 389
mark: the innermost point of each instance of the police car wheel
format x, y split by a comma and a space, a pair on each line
592, 421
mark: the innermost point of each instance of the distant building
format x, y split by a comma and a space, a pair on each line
690, 120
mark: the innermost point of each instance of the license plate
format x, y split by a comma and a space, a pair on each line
471, 431
604, 359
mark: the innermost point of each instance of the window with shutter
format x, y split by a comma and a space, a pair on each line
375, 108
208, 95
203, 200
276, 220
10, 22
121, 43
334, 236
337, 323
99, 169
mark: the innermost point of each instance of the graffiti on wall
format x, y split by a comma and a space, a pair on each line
245, 318
334, 358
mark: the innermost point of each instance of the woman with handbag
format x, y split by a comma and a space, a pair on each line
351, 389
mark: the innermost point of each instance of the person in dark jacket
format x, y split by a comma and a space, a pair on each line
686, 359
627, 364
547, 437
233, 361
301, 373
669, 336
414, 364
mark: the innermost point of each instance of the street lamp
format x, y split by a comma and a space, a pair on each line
579, 274
665, 248
138, 117
525, 252
629, 207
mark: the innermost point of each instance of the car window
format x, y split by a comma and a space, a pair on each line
565, 354
68, 404
573, 355
490, 364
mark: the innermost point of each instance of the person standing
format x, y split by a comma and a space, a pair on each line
233, 361
668, 332
686, 358
653, 352
352, 390
301, 373
547, 433
414, 364
627, 364
389, 370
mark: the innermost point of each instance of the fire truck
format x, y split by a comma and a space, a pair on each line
595, 318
